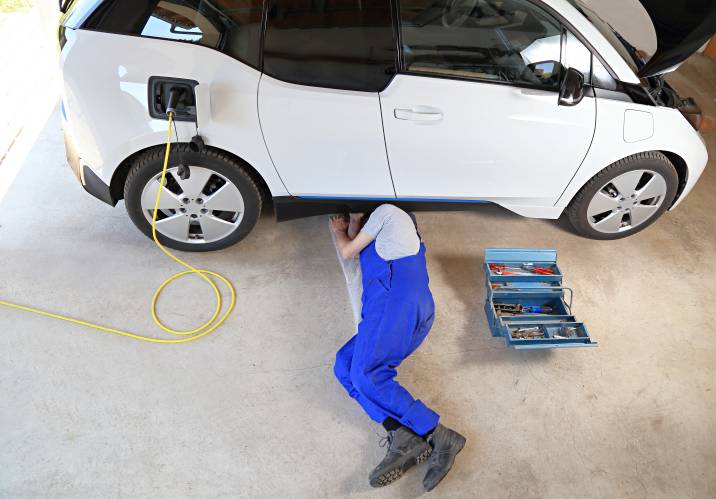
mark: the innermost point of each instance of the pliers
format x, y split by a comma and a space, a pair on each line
538, 270
525, 269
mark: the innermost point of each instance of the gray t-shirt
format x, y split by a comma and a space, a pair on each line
394, 232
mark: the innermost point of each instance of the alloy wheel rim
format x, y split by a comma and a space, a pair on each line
627, 201
203, 208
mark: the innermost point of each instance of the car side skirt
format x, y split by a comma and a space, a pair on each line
295, 207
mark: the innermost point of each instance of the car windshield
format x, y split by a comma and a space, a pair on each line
625, 49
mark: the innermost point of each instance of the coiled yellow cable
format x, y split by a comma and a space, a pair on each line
210, 325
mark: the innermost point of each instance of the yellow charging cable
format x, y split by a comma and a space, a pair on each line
210, 325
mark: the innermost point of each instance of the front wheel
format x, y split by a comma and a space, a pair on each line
625, 197
216, 206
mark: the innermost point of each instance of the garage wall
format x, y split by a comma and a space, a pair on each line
630, 19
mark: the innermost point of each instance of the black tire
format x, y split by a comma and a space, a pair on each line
654, 161
149, 164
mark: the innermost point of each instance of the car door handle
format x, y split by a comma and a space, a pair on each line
419, 113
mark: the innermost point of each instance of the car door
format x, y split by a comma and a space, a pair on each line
474, 112
324, 64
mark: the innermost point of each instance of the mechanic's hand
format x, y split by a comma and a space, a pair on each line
354, 225
339, 224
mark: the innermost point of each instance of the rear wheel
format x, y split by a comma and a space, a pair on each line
625, 197
214, 207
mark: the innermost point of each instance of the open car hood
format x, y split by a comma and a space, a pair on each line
682, 27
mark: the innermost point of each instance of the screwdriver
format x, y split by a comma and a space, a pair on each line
516, 308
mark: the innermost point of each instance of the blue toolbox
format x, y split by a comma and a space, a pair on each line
526, 302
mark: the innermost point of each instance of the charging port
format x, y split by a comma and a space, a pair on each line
160, 88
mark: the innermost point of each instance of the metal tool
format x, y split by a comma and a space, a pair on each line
517, 309
528, 332
524, 269
508, 285
537, 270
505, 270
567, 332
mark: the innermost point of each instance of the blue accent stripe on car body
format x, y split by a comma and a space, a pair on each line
432, 200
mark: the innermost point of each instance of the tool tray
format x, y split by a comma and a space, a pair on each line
556, 329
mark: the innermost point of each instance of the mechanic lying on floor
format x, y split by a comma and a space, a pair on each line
397, 313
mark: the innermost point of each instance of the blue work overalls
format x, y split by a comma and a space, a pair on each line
398, 311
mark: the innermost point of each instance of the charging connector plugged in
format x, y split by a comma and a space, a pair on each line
175, 94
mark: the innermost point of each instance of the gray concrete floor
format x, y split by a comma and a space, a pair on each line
254, 411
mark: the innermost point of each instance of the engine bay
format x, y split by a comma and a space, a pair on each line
664, 95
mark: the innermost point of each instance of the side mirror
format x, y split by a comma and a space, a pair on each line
571, 91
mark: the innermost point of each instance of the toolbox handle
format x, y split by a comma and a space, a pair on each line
541, 288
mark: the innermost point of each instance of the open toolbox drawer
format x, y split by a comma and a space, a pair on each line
529, 310
511, 258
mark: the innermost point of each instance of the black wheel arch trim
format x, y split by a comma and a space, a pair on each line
682, 171
120, 174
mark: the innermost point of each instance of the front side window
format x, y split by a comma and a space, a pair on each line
343, 44
511, 41
576, 55
601, 78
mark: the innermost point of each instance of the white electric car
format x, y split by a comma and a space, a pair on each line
324, 105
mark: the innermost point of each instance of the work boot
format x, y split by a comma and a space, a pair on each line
446, 444
405, 449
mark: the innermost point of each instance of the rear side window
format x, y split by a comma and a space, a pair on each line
175, 22
344, 44
510, 41
231, 26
